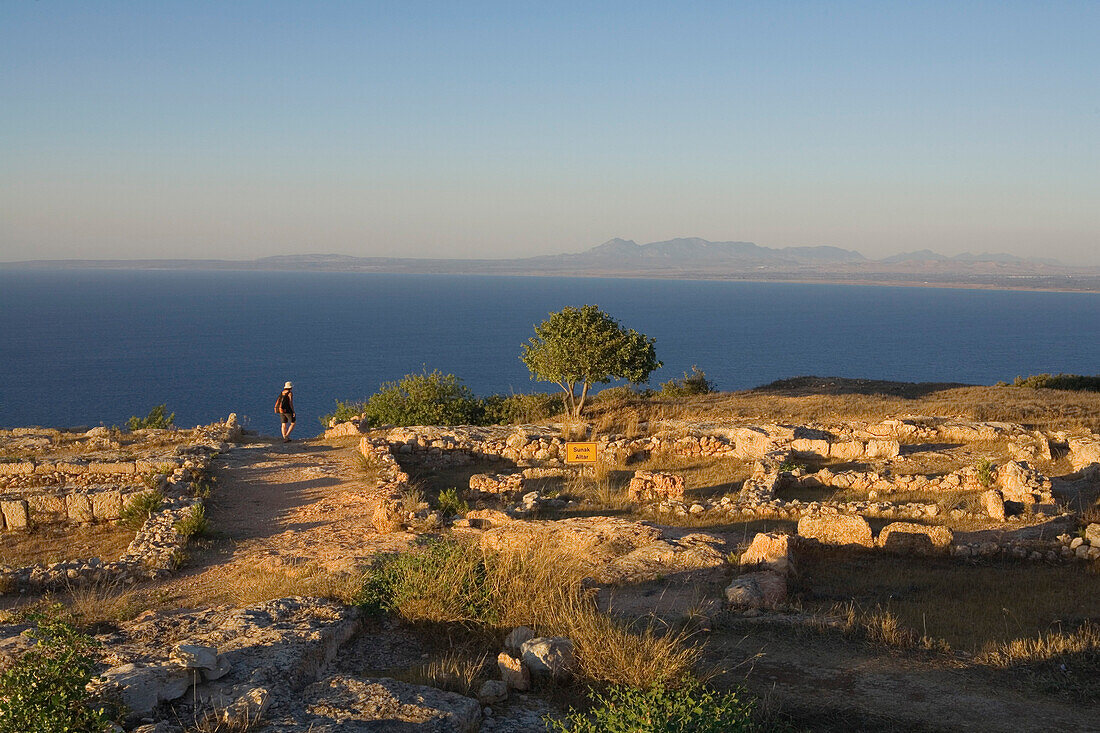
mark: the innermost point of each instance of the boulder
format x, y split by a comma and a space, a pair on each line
513, 643
512, 671
766, 589
195, 656
771, 551
141, 687
492, 691
549, 656
993, 504
836, 529
882, 449
1092, 534
910, 538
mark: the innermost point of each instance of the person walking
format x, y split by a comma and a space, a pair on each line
284, 406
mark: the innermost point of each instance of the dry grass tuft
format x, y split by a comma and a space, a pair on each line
456, 671
540, 586
1044, 648
256, 585
99, 603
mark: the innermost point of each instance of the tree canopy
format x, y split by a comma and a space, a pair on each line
587, 346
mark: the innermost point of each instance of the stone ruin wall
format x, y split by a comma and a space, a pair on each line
48, 492
772, 446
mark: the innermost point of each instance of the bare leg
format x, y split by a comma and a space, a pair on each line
285, 430
289, 428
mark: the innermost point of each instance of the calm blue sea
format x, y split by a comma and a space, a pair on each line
92, 347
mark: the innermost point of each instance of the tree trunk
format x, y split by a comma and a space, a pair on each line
584, 394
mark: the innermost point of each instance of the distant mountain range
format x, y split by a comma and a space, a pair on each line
686, 258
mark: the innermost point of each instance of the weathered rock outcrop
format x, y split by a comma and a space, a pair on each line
836, 529
612, 550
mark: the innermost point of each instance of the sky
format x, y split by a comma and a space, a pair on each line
501, 129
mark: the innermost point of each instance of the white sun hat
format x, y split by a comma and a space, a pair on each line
288, 385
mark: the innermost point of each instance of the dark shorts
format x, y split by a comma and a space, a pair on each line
288, 417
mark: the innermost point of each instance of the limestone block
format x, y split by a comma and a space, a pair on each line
16, 515
122, 467
913, 538
492, 691
79, 507
836, 529
195, 656
810, 447
994, 504
882, 449
847, 450
20, 468
47, 508
75, 469
550, 656
142, 687
772, 551
1092, 534
513, 673
513, 643
107, 505
765, 589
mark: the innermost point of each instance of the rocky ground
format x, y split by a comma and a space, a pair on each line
223, 642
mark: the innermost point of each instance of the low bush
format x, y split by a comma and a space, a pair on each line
695, 383
985, 468
155, 419
45, 690
659, 709
140, 508
194, 523
451, 504
428, 398
1072, 382
344, 411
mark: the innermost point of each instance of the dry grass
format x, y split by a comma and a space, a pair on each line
55, 543
969, 607
540, 587
255, 584
1060, 661
457, 670
100, 603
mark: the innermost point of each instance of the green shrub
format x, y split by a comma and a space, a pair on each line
692, 384
444, 581
1074, 382
194, 523
428, 398
155, 419
520, 408
450, 503
659, 709
140, 508
985, 472
45, 690
344, 411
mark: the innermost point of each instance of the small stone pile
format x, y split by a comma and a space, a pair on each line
647, 486
497, 483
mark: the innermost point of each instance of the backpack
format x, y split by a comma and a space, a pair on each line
280, 404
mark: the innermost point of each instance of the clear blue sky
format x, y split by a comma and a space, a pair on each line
242, 129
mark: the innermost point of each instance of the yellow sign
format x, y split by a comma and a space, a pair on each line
580, 452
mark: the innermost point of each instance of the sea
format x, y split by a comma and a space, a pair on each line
94, 347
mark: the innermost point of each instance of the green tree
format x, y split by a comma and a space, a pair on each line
586, 346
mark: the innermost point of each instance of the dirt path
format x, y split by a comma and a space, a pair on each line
297, 508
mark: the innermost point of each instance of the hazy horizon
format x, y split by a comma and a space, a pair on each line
493, 130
